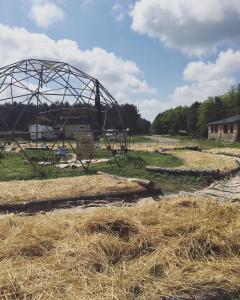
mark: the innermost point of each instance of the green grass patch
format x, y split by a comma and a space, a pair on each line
140, 139
155, 159
204, 143
134, 166
14, 166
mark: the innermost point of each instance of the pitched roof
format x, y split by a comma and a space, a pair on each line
227, 120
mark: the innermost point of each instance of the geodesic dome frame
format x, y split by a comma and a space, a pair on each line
35, 90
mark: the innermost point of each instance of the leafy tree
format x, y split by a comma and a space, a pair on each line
209, 111
143, 126
131, 116
194, 119
171, 121
19, 116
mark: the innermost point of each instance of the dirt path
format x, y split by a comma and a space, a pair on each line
163, 139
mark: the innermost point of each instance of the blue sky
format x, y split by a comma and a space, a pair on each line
156, 54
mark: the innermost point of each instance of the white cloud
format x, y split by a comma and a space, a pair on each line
45, 13
118, 11
204, 79
122, 78
87, 2
195, 27
151, 107
208, 78
120, 17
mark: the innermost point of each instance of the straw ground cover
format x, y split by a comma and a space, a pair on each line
180, 247
203, 160
225, 151
28, 190
153, 147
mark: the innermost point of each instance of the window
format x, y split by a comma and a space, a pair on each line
211, 128
225, 128
216, 128
231, 128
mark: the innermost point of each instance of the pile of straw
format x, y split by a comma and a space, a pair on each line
180, 247
204, 160
28, 190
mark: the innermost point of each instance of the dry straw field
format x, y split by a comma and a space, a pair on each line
204, 160
153, 147
27, 190
208, 159
225, 151
177, 247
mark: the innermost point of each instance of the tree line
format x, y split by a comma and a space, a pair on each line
18, 116
193, 119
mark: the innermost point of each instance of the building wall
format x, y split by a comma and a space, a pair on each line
75, 130
224, 132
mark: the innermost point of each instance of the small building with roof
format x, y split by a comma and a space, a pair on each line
226, 129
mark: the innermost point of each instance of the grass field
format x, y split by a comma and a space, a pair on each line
204, 143
15, 167
184, 247
140, 139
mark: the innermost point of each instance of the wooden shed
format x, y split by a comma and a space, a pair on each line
226, 129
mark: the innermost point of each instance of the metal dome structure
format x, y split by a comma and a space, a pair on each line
56, 95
